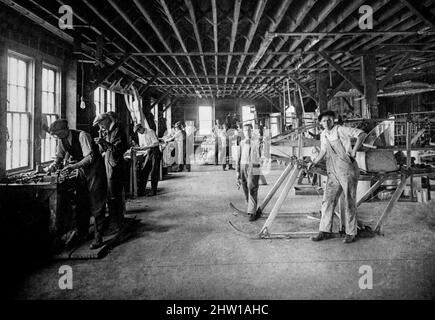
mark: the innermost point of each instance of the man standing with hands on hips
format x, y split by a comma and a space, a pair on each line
342, 170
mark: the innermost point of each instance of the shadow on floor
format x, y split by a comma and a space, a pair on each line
138, 229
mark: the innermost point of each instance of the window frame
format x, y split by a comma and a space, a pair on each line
57, 102
200, 132
30, 109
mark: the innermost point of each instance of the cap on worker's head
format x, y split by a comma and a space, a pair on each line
326, 113
137, 127
60, 124
99, 118
248, 125
112, 114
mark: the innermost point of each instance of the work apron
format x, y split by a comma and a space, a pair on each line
249, 176
343, 175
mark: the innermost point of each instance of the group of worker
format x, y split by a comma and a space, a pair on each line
103, 171
342, 173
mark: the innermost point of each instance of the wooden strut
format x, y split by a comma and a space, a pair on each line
290, 175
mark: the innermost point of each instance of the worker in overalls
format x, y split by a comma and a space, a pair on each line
248, 169
82, 154
113, 144
343, 172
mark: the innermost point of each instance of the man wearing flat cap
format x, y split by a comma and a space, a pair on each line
113, 145
153, 156
80, 152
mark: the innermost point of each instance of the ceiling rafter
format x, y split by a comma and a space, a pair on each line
235, 22
137, 31
100, 16
421, 11
261, 4
215, 37
295, 23
156, 30
191, 10
179, 37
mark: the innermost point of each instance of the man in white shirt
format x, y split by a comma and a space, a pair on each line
343, 172
152, 159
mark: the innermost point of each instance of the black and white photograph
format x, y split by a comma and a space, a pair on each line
214, 157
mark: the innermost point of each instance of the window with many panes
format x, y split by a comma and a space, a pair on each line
248, 114
109, 101
205, 115
19, 108
98, 98
104, 101
50, 110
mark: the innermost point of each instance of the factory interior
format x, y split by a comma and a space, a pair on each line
184, 150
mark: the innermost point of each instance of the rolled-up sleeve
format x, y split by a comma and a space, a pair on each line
350, 132
86, 145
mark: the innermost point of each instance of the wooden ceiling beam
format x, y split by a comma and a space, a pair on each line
307, 90
349, 60
179, 37
99, 33
346, 75
275, 21
301, 15
139, 33
333, 25
108, 23
156, 30
235, 23
420, 11
215, 37
191, 10
253, 28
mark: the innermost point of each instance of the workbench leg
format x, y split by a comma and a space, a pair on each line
391, 203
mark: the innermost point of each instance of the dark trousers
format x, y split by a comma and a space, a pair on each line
216, 152
115, 187
150, 165
87, 204
249, 177
227, 158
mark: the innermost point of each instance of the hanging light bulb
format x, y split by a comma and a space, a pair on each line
82, 103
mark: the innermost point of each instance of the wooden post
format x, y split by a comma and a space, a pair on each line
69, 93
408, 154
37, 112
3, 106
298, 107
133, 192
370, 102
283, 122
322, 82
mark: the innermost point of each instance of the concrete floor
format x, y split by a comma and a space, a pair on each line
184, 248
